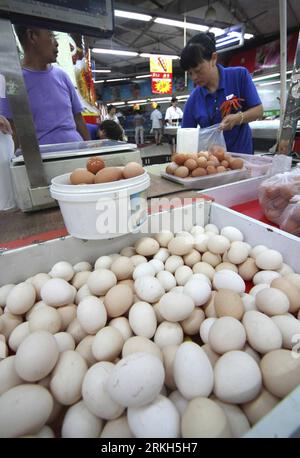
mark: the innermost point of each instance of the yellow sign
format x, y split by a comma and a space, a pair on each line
161, 74
160, 64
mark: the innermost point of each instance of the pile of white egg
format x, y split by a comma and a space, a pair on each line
160, 340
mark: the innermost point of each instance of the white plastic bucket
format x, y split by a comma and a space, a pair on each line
104, 210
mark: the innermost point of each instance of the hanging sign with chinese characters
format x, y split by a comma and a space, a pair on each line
161, 74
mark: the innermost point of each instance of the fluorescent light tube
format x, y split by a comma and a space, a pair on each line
143, 76
147, 54
116, 52
130, 15
181, 24
101, 71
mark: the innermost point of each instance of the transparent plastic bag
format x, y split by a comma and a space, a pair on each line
276, 192
290, 220
7, 195
210, 136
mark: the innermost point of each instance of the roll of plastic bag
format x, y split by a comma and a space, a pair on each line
7, 195
188, 140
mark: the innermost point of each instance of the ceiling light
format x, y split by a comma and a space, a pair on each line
117, 103
216, 31
248, 36
138, 101
116, 52
160, 99
130, 15
99, 81
143, 76
146, 54
116, 79
261, 78
101, 71
181, 24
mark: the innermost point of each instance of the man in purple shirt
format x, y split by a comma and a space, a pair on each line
55, 106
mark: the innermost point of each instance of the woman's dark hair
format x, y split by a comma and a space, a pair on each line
109, 108
199, 48
112, 130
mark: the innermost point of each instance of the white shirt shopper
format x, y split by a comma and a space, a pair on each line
156, 117
173, 113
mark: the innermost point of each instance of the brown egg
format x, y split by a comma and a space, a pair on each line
203, 154
211, 170
227, 157
202, 162
191, 164
82, 176
132, 169
182, 172
228, 303
217, 151
225, 164
290, 290
214, 159
108, 174
94, 164
199, 172
211, 163
192, 156
180, 158
236, 164
170, 170
221, 169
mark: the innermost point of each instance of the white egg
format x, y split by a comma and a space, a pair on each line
253, 291
100, 281
45, 318
148, 289
20, 298
4, 290
179, 401
76, 330
289, 328
175, 307
218, 244
229, 280
211, 228
137, 344
18, 335
205, 269
166, 279
164, 237
198, 290
200, 242
192, 364
177, 289
142, 319
173, 262
91, 314
181, 245
95, 394
83, 292
137, 259
269, 260
79, 422
82, 267
108, 343
24, 409
122, 324
80, 279
8, 374
272, 301
63, 270
205, 328
168, 333
38, 281
147, 246
57, 292
248, 302
158, 419
226, 334
103, 262
192, 258
262, 333
232, 233
238, 252
237, 377
183, 274
197, 230
64, 341
157, 265
36, 356
162, 255
143, 269
265, 276
257, 250
136, 380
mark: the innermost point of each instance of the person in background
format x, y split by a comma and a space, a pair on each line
111, 114
173, 115
110, 130
225, 96
5, 127
139, 128
156, 118
54, 103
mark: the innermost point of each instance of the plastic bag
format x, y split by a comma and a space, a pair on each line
7, 196
276, 192
290, 220
210, 136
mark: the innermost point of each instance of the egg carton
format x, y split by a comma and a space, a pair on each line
283, 420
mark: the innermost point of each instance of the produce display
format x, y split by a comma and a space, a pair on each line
210, 162
279, 198
186, 335
96, 172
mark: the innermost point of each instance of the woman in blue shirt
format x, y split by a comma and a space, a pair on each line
223, 95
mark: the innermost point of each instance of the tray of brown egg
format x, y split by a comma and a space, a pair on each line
205, 169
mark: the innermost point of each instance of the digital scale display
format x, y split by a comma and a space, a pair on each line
89, 17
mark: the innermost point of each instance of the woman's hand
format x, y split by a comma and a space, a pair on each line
230, 121
5, 127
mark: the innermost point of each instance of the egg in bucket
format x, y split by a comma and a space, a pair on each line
105, 204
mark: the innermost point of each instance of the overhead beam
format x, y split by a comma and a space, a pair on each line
240, 15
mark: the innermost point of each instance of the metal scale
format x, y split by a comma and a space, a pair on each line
32, 172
